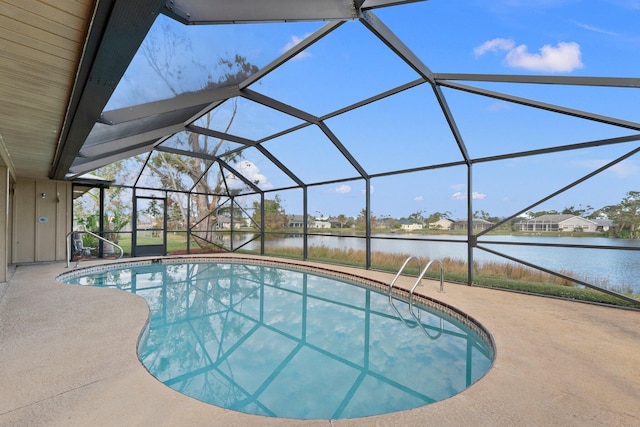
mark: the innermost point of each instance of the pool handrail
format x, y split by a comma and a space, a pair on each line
424, 329
418, 281
400, 272
85, 231
420, 278
401, 317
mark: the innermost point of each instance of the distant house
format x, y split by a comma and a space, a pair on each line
223, 222
560, 222
409, 225
603, 224
295, 221
335, 223
441, 224
476, 224
320, 224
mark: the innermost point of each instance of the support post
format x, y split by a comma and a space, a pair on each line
305, 225
262, 228
471, 240
367, 182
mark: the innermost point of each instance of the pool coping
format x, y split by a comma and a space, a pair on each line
69, 358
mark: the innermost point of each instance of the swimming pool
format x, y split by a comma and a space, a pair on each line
270, 340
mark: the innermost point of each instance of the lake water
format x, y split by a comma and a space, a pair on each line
615, 269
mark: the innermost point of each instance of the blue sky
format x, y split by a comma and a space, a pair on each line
408, 130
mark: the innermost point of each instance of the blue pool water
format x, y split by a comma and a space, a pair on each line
284, 343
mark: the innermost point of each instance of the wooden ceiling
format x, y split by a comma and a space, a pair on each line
41, 44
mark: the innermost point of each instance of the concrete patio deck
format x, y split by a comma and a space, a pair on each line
68, 358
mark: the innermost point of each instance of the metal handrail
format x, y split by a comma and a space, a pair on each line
420, 278
400, 272
94, 235
424, 330
400, 316
418, 281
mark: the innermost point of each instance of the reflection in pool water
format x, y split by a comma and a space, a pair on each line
284, 343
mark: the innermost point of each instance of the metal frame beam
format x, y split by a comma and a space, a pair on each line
117, 30
292, 52
375, 25
221, 135
278, 105
122, 145
550, 80
88, 166
543, 106
198, 12
343, 150
187, 101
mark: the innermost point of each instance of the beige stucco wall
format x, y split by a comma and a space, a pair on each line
40, 224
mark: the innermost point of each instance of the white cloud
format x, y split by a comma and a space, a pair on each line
418, 198
565, 57
293, 42
596, 29
459, 195
371, 188
499, 106
251, 172
343, 189
494, 45
478, 196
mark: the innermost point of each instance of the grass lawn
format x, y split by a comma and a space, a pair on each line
175, 242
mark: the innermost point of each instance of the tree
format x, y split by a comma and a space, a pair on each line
117, 207
175, 218
482, 215
625, 215
437, 216
579, 211
275, 217
394, 223
207, 183
361, 220
115, 223
532, 214
417, 217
